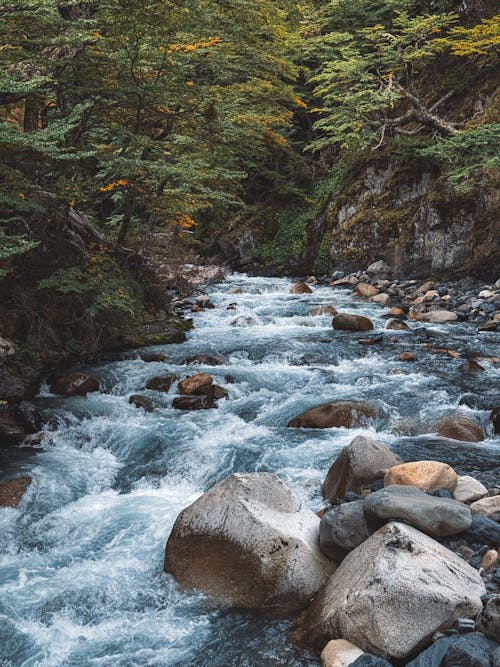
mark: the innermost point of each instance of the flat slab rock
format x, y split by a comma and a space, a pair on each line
438, 517
391, 594
250, 543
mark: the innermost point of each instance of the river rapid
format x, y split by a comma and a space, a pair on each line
81, 581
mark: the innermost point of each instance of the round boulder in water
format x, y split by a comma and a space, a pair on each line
346, 414
161, 382
348, 322
190, 384
74, 384
141, 402
300, 288
459, 427
250, 543
193, 402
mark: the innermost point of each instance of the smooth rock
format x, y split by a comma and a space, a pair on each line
365, 289
12, 491
397, 325
342, 529
438, 517
459, 427
483, 530
360, 463
161, 382
190, 384
141, 402
349, 322
489, 506
339, 653
383, 298
212, 391
300, 288
469, 489
74, 384
193, 403
441, 316
391, 594
488, 619
250, 543
11, 431
335, 414
425, 475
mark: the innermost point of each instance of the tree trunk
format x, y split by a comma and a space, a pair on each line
124, 227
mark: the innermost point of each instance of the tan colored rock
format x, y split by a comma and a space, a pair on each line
383, 298
250, 543
335, 414
350, 322
360, 463
428, 285
407, 356
397, 325
490, 559
441, 316
391, 594
339, 653
425, 475
365, 289
459, 427
12, 491
194, 382
469, 489
396, 312
300, 288
430, 294
489, 506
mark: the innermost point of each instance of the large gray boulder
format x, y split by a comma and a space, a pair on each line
342, 529
438, 517
391, 594
360, 463
250, 543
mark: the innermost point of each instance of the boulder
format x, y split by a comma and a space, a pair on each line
440, 316
74, 384
379, 270
489, 507
438, 517
335, 414
470, 650
488, 620
250, 543
407, 356
490, 559
193, 403
360, 463
207, 359
11, 431
190, 384
470, 366
369, 660
469, 489
348, 322
212, 391
425, 475
391, 594
459, 427
300, 288
141, 402
342, 529
395, 311
161, 382
382, 298
397, 325
339, 653
434, 654
365, 289
323, 310
12, 491
483, 531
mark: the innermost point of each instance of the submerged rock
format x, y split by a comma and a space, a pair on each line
12, 491
207, 359
391, 594
361, 462
438, 517
334, 414
250, 543
74, 384
425, 475
459, 427
348, 322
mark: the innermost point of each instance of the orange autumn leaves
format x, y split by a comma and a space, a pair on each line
195, 46
121, 183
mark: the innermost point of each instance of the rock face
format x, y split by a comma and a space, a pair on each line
250, 543
469, 489
361, 462
74, 384
11, 432
13, 490
391, 594
161, 382
348, 322
339, 653
194, 382
342, 529
425, 475
459, 427
300, 288
489, 507
438, 517
347, 414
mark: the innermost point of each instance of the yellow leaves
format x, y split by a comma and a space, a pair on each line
21, 195
189, 83
71, 202
482, 41
184, 221
300, 103
115, 184
195, 46
272, 137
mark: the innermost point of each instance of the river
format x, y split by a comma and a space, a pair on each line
81, 581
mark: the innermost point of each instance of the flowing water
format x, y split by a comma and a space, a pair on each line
81, 580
